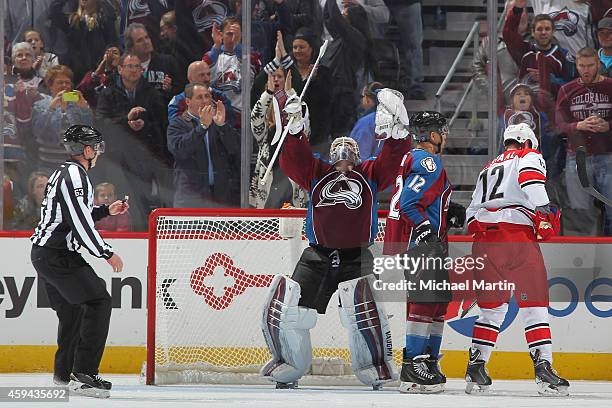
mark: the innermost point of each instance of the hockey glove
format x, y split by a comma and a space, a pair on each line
427, 243
427, 246
424, 234
547, 222
286, 106
455, 217
391, 116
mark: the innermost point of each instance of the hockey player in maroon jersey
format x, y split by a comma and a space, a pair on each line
509, 213
417, 225
341, 224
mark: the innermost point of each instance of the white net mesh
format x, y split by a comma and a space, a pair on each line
212, 274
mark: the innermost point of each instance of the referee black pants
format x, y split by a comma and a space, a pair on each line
83, 307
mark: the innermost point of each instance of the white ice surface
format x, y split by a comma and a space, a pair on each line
127, 392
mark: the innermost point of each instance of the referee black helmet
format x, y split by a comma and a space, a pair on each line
76, 137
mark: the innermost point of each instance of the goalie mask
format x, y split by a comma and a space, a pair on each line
521, 133
344, 148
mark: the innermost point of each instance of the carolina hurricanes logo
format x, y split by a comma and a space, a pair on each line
566, 20
341, 190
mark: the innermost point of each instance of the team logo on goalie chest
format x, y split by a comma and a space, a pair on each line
341, 190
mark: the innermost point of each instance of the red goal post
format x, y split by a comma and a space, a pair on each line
196, 325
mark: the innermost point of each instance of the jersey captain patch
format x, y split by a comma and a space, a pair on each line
429, 164
341, 190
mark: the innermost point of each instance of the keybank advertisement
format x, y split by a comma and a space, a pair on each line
580, 273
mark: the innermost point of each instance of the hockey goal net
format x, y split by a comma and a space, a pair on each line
208, 277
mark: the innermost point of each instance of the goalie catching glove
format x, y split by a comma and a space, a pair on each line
391, 116
287, 106
547, 222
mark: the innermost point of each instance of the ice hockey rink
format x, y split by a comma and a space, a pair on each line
128, 392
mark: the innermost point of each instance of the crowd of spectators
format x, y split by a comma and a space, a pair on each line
162, 80
553, 67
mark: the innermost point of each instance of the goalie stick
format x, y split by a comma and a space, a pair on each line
585, 177
286, 130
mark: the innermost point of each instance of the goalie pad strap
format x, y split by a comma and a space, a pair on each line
369, 331
286, 329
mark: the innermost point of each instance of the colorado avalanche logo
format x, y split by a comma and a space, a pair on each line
140, 8
566, 20
341, 190
207, 13
592, 109
522, 117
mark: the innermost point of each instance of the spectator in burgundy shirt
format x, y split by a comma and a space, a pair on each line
542, 64
584, 113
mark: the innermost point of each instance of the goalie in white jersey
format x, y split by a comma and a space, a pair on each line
509, 213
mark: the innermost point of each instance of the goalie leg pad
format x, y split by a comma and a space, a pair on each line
369, 331
286, 329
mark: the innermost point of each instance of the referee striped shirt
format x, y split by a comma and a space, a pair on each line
67, 213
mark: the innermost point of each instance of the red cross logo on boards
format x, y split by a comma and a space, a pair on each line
218, 281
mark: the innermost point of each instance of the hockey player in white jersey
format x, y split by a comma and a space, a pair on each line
509, 213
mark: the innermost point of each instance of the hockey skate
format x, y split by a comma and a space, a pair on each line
59, 381
476, 376
90, 385
286, 386
417, 379
433, 364
547, 380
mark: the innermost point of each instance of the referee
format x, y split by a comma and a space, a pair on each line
76, 293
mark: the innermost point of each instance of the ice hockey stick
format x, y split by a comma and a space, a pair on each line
586, 179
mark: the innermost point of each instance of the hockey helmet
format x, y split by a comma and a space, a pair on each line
426, 122
76, 137
344, 148
520, 133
